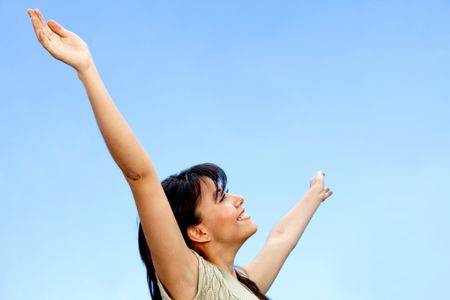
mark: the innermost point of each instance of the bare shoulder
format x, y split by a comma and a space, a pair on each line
174, 262
184, 287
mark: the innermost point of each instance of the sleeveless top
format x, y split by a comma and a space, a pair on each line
215, 284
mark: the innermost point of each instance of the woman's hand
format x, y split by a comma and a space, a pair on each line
317, 187
62, 44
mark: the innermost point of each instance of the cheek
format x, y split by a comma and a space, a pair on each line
224, 217
217, 217
221, 219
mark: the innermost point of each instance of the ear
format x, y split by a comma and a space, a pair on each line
198, 233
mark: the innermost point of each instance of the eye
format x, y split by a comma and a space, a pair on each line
223, 196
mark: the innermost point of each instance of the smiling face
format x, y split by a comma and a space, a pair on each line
223, 215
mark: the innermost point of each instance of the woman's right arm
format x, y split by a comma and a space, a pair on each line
174, 263
169, 251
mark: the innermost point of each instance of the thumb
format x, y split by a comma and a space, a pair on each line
55, 27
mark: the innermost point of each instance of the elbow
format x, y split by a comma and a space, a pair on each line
284, 241
132, 176
135, 176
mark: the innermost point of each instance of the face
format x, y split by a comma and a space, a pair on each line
224, 215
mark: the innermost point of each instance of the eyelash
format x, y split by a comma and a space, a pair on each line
224, 195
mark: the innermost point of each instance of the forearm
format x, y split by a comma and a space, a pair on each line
124, 147
291, 227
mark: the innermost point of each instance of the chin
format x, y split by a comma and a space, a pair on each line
255, 230
252, 229
255, 226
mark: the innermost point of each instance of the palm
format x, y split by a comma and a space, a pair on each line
62, 44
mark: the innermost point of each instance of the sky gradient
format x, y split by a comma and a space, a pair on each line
271, 91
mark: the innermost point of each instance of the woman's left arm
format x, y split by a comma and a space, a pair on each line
284, 237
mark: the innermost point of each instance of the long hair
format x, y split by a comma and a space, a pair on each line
183, 192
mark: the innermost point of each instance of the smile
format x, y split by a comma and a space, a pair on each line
243, 216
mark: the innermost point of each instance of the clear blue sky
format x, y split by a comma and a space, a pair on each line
272, 91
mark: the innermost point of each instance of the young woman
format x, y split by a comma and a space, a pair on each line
191, 227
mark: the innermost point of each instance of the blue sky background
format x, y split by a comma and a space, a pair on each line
272, 91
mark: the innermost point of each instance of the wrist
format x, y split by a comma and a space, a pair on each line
313, 196
87, 71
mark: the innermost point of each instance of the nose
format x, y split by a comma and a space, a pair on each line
238, 200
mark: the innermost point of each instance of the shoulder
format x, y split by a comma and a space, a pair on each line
183, 290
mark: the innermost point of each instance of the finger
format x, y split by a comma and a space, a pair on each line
40, 17
37, 26
327, 195
43, 39
319, 177
37, 29
36, 18
58, 29
34, 21
47, 31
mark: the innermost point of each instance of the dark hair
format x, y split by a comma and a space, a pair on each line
183, 192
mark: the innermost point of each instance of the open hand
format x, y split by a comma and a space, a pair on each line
317, 186
62, 44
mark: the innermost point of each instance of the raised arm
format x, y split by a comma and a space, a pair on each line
174, 263
284, 237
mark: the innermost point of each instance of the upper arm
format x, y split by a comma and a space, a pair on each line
174, 262
264, 268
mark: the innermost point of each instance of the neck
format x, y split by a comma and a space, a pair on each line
222, 256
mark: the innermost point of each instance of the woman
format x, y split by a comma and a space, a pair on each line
191, 227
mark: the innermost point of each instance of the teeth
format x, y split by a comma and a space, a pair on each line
243, 216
